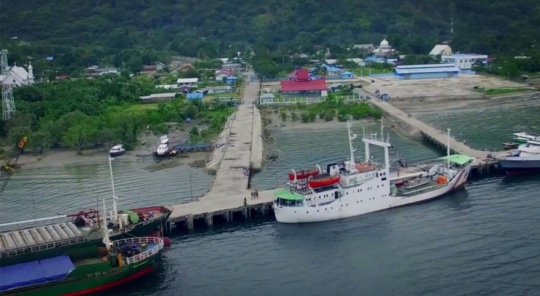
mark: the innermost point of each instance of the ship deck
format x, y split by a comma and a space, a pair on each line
43, 237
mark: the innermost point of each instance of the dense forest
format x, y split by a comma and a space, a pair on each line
86, 112
210, 28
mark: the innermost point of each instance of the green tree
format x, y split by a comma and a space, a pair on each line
79, 135
39, 141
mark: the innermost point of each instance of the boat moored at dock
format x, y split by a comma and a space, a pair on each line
88, 270
367, 187
522, 138
60, 235
117, 150
525, 160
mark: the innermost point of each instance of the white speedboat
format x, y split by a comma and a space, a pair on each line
117, 150
522, 138
164, 139
525, 159
351, 189
162, 149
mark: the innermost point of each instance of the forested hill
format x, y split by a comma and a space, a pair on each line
195, 27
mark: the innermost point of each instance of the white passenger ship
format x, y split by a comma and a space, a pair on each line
351, 189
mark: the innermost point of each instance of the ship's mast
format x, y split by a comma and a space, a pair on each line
351, 138
367, 145
115, 210
382, 130
448, 149
104, 227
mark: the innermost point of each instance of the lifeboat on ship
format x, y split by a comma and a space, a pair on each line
364, 167
303, 174
323, 182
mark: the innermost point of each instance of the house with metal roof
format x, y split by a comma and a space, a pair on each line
158, 97
464, 61
426, 71
301, 84
187, 82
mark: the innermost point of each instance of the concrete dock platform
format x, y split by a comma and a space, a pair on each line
257, 141
242, 148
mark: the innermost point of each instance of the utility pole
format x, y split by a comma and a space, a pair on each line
8, 103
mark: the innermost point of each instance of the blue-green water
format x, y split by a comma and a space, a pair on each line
490, 124
482, 240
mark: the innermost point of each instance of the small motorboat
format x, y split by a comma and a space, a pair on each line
164, 139
323, 182
117, 150
303, 174
162, 149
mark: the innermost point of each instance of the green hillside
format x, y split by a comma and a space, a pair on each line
212, 27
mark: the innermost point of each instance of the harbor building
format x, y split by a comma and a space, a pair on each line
464, 61
303, 85
426, 71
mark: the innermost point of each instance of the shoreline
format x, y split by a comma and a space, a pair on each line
270, 121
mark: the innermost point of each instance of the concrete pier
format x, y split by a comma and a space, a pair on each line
257, 140
437, 136
242, 148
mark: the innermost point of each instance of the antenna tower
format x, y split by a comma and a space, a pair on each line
8, 103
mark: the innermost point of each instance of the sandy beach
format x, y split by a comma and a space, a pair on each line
149, 142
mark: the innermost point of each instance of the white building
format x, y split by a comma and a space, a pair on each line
384, 49
442, 50
463, 61
192, 82
18, 76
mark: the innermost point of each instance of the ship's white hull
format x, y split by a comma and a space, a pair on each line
358, 204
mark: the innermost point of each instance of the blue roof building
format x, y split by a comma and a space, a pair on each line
231, 79
195, 96
426, 71
347, 75
331, 69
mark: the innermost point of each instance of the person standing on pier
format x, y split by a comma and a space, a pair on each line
256, 194
245, 202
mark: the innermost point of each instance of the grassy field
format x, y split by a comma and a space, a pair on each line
365, 71
139, 107
209, 98
504, 91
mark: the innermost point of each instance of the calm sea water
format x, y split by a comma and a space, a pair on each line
482, 240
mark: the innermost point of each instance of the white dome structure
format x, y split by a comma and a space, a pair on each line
384, 44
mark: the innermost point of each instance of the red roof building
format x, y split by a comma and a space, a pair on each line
303, 86
299, 81
299, 75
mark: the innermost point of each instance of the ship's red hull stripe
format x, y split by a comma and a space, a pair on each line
110, 285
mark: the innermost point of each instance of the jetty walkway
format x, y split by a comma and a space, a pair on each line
437, 136
240, 147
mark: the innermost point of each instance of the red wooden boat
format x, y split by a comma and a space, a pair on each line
322, 182
304, 174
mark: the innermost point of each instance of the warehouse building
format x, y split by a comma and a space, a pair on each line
426, 71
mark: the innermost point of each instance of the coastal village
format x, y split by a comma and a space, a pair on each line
127, 243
